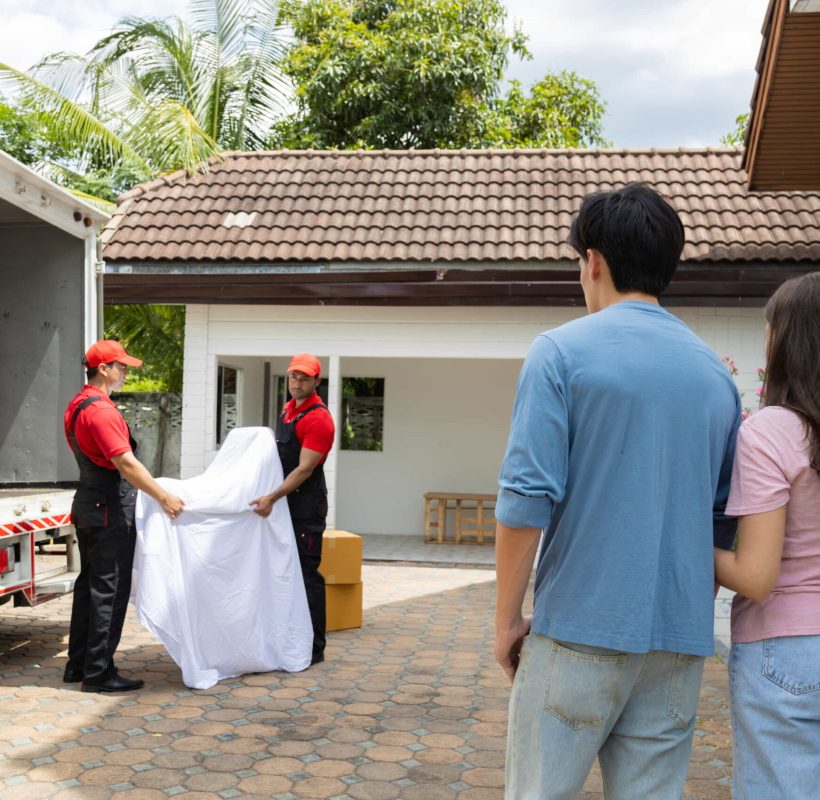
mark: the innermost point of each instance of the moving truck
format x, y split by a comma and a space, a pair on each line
50, 313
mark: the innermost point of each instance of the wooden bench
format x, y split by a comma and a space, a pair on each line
473, 516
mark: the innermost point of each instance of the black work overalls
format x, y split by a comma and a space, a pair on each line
103, 514
308, 512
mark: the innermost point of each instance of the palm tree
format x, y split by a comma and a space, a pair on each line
157, 95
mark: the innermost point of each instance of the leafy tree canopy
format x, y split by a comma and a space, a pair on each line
422, 74
154, 95
737, 137
26, 135
561, 110
163, 94
154, 333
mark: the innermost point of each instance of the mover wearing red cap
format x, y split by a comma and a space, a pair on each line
109, 351
307, 364
103, 514
304, 436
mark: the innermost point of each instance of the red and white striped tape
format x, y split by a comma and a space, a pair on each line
39, 524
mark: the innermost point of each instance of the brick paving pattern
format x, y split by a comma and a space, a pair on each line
411, 706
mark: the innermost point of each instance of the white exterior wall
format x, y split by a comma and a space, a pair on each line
449, 384
734, 332
445, 429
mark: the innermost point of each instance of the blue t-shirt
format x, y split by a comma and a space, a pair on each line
621, 446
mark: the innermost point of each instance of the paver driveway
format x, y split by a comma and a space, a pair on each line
411, 706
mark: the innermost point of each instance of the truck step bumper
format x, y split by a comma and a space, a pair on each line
61, 583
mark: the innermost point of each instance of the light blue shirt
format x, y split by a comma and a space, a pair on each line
621, 448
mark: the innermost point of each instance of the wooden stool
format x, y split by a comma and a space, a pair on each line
435, 517
473, 515
482, 521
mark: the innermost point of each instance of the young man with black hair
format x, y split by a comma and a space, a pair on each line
304, 438
618, 462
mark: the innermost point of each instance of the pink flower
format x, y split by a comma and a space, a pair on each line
730, 365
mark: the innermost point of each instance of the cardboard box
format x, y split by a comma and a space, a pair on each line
341, 557
344, 606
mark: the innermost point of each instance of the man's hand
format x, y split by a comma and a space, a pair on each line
508, 641
140, 478
514, 555
172, 505
262, 505
308, 461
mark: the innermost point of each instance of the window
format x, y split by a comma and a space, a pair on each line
362, 413
227, 401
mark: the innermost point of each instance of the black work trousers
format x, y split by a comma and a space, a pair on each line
309, 546
101, 595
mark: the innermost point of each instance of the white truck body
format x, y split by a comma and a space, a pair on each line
49, 314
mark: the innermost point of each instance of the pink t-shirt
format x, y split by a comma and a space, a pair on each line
772, 470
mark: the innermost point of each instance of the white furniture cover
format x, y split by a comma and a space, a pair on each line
221, 586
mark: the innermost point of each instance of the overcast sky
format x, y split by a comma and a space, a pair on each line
672, 72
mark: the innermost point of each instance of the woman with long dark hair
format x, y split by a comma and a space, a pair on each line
774, 667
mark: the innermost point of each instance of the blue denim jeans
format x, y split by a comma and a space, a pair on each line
774, 691
571, 703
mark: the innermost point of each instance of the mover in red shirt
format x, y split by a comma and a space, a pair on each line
304, 436
103, 514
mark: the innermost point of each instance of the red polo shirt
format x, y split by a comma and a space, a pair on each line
101, 431
316, 430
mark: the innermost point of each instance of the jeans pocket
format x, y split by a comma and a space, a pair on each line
793, 663
684, 689
582, 686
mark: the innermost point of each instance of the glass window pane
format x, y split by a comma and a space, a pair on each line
363, 414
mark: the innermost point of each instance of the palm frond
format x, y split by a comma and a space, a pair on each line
154, 333
265, 88
106, 90
98, 202
64, 73
165, 51
78, 127
226, 20
174, 138
63, 176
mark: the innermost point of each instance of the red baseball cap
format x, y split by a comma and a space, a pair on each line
107, 350
305, 362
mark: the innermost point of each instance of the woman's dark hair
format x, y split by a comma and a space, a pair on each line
638, 233
793, 357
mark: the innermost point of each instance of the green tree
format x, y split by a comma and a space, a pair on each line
154, 333
26, 136
737, 137
561, 110
158, 95
421, 74
153, 96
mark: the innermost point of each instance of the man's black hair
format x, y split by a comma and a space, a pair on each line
638, 233
91, 372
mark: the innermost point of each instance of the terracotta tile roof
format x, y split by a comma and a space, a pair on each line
445, 206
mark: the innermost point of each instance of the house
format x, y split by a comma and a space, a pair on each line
420, 278
783, 136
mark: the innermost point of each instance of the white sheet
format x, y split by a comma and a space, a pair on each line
221, 587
